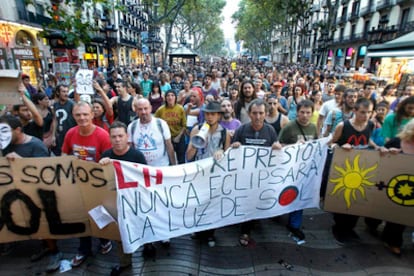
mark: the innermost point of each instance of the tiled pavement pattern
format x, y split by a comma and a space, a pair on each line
320, 255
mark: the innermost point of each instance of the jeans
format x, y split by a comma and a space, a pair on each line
180, 149
295, 219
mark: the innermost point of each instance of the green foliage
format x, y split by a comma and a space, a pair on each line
73, 28
257, 22
201, 19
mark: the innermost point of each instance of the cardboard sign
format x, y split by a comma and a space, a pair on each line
50, 198
364, 183
157, 203
84, 82
9, 80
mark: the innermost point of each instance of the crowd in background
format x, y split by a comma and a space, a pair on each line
298, 103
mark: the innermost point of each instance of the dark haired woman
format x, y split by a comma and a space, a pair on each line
394, 122
155, 97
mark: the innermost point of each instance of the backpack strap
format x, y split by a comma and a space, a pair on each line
159, 125
223, 137
133, 128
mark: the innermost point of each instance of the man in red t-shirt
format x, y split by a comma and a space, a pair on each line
87, 142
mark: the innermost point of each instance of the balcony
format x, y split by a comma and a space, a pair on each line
130, 42
343, 19
367, 11
385, 4
354, 15
36, 19
97, 37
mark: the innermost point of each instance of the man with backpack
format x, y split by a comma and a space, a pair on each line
151, 136
216, 141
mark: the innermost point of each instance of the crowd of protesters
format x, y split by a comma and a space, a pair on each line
249, 105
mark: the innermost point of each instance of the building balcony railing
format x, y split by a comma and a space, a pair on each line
343, 19
97, 37
368, 10
354, 15
31, 17
383, 4
130, 42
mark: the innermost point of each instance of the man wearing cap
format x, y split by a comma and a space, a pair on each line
216, 141
276, 89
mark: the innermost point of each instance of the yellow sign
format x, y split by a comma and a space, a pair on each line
233, 65
89, 56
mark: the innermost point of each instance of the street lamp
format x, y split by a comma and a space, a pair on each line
111, 42
154, 41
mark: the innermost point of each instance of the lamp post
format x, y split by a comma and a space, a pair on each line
154, 41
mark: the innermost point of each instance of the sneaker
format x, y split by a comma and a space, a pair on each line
106, 248
211, 241
54, 262
296, 232
339, 238
39, 255
149, 251
78, 260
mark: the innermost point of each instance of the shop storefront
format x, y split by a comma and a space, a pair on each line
27, 60
394, 60
349, 57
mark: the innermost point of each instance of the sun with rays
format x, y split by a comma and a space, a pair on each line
353, 179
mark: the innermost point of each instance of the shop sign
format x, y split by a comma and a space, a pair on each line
23, 53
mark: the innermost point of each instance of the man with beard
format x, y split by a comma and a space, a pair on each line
63, 116
246, 96
342, 113
227, 120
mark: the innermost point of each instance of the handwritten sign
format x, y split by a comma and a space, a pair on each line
248, 183
364, 183
50, 198
84, 82
9, 80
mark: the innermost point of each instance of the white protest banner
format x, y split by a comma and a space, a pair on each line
84, 82
157, 203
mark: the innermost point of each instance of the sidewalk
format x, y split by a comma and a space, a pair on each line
274, 250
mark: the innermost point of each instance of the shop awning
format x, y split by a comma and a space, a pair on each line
392, 53
399, 47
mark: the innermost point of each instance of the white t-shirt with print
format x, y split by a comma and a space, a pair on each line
150, 141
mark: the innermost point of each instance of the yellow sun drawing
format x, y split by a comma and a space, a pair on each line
352, 179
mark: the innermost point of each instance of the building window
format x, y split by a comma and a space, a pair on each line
24, 38
404, 18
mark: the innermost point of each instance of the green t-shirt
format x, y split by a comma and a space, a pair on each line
292, 133
390, 127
